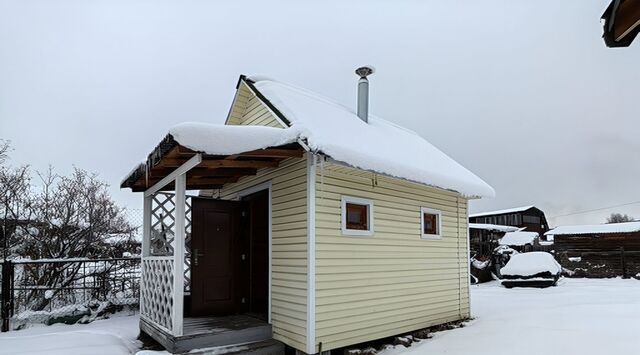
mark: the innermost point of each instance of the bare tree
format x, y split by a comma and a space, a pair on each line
619, 218
15, 198
64, 217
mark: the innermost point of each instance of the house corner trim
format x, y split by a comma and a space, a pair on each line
311, 253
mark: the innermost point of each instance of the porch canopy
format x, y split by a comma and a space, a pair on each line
192, 156
217, 155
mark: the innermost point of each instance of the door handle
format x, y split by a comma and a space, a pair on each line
196, 255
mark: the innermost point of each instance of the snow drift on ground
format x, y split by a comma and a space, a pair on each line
114, 336
626, 227
518, 238
528, 264
378, 145
579, 316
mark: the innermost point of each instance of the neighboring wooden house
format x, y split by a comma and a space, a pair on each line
528, 217
316, 226
483, 238
601, 250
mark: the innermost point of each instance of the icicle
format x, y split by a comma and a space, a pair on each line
322, 177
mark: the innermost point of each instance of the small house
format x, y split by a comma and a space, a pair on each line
600, 250
300, 220
529, 217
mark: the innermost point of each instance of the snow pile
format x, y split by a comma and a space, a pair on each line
627, 227
530, 264
519, 238
505, 211
584, 316
493, 227
225, 140
481, 265
115, 336
379, 145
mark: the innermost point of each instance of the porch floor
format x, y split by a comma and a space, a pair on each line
207, 332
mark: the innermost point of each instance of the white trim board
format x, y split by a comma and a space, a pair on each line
246, 192
182, 169
438, 213
311, 253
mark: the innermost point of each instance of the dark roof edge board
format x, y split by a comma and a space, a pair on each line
609, 17
266, 101
165, 145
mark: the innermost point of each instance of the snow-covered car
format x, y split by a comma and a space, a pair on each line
535, 269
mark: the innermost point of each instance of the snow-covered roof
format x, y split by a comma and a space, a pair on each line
493, 227
225, 140
627, 227
528, 264
518, 238
379, 145
508, 210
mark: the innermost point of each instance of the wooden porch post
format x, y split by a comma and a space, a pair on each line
178, 254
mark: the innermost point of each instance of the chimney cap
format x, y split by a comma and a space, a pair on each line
365, 71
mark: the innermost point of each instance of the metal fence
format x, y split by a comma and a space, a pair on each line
67, 291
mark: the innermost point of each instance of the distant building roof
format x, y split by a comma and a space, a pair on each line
509, 210
627, 227
493, 227
518, 238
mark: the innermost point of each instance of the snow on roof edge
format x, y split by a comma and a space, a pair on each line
626, 227
507, 210
493, 227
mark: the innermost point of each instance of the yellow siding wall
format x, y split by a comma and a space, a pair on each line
289, 240
393, 281
249, 110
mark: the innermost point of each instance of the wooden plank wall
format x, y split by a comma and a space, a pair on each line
600, 255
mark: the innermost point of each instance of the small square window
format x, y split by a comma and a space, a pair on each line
357, 216
431, 223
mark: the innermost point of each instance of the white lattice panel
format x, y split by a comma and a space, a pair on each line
163, 222
156, 291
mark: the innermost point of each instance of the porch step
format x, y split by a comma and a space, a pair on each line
267, 347
212, 332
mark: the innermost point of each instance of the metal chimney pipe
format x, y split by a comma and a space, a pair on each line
363, 92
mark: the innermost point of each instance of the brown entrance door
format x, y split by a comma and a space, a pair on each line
217, 262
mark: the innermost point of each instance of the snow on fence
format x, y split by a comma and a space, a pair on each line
67, 290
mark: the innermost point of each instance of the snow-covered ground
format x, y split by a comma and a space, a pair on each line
114, 336
579, 316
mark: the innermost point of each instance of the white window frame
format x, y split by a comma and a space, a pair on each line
370, 214
438, 236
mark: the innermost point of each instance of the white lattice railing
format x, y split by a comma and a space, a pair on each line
163, 222
156, 291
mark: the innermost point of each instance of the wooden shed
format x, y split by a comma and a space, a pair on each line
307, 224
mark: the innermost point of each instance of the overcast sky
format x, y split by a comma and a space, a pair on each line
523, 93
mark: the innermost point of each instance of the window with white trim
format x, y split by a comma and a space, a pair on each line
431, 223
357, 216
